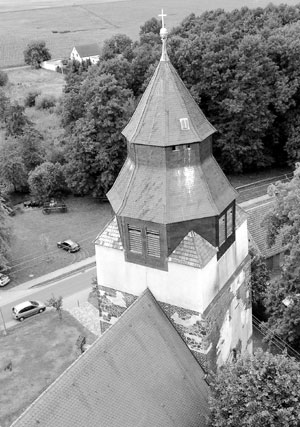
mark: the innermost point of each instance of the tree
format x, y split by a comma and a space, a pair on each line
15, 119
35, 53
47, 180
282, 297
5, 235
31, 148
260, 278
119, 44
3, 78
94, 146
12, 167
260, 390
57, 303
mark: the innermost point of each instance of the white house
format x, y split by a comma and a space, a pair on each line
86, 52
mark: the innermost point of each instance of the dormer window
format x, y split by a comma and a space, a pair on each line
144, 244
184, 123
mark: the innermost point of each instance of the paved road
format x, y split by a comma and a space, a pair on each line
74, 289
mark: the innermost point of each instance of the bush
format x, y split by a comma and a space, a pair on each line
31, 98
44, 102
3, 78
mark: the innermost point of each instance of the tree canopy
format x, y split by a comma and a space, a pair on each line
283, 295
259, 390
35, 53
5, 234
94, 146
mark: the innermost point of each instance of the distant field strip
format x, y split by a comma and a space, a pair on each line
61, 28
65, 23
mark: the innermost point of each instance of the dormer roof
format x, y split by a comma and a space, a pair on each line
167, 113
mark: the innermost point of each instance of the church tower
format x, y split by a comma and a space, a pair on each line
177, 229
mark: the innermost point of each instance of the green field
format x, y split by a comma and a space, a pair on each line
63, 24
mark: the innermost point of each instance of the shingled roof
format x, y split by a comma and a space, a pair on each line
138, 373
156, 121
258, 232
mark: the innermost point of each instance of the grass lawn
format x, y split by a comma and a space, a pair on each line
40, 349
35, 236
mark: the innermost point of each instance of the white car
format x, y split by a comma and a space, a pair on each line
27, 309
4, 280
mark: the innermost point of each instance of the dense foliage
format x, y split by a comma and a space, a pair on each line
283, 295
35, 53
260, 390
96, 109
260, 279
5, 234
47, 180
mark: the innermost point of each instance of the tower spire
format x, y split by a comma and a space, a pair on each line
163, 36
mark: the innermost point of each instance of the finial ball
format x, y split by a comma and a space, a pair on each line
163, 33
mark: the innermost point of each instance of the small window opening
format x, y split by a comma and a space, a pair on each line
188, 146
184, 123
175, 148
222, 230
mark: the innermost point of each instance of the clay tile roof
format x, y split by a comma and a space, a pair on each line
86, 50
193, 251
258, 232
110, 236
240, 216
156, 121
139, 373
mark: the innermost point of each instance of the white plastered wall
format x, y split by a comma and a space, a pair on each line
184, 286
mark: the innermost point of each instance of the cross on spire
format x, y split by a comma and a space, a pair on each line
162, 15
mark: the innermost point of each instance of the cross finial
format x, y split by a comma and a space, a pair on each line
162, 15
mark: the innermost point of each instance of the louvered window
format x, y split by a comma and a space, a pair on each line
222, 230
153, 243
135, 239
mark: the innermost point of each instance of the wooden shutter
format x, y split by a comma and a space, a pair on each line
135, 239
153, 243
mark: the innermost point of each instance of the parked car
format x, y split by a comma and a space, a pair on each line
69, 245
32, 203
54, 206
27, 309
4, 280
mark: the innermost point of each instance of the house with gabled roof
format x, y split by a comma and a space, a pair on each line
138, 373
86, 52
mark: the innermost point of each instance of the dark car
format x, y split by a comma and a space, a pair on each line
32, 203
68, 245
4, 280
27, 309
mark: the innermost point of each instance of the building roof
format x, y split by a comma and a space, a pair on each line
156, 120
138, 373
258, 232
87, 50
168, 195
110, 236
193, 251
